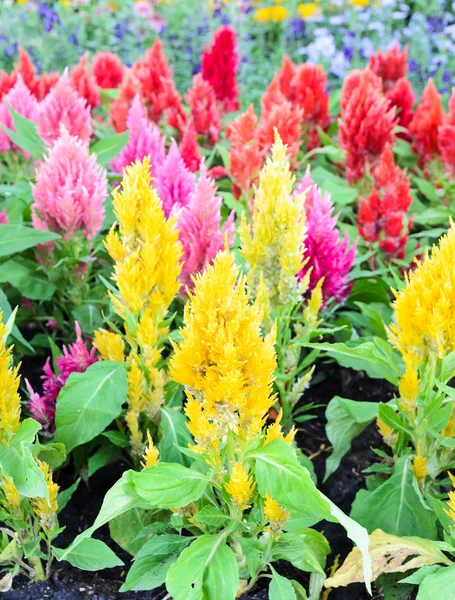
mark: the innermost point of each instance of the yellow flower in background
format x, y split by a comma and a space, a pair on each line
273, 244
425, 308
360, 3
274, 513
240, 487
274, 14
307, 11
45, 510
151, 454
10, 404
450, 510
66, 3
223, 361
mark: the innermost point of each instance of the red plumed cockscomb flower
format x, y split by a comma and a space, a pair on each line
108, 70
189, 148
285, 76
358, 78
158, 89
245, 153
272, 95
26, 69
85, 83
121, 106
366, 126
402, 97
7, 82
287, 120
219, 68
44, 83
384, 215
446, 137
390, 65
427, 119
202, 102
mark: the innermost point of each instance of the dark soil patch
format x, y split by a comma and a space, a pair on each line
68, 583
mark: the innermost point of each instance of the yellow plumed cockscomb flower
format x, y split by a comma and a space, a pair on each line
450, 510
409, 388
275, 432
223, 361
151, 454
10, 403
240, 487
312, 309
273, 244
274, 513
420, 466
109, 344
270, 14
388, 434
45, 510
12, 497
425, 308
307, 10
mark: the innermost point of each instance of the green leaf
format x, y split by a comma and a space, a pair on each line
418, 576
392, 419
109, 147
17, 462
89, 402
53, 454
153, 561
169, 485
126, 528
306, 549
65, 496
346, 419
174, 433
396, 506
90, 555
212, 516
117, 438
427, 189
7, 311
16, 238
25, 136
440, 584
26, 279
206, 569
88, 316
281, 588
107, 453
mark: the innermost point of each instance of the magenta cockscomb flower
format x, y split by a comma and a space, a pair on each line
75, 358
23, 102
3, 217
329, 256
64, 106
70, 189
200, 229
174, 181
145, 140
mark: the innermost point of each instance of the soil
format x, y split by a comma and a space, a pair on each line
68, 583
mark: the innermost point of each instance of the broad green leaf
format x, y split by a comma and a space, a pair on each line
149, 569
346, 419
89, 402
26, 279
169, 485
126, 528
212, 516
53, 454
16, 238
396, 506
281, 588
389, 554
89, 317
17, 462
25, 135
65, 496
90, 555
418, 576
175, 434
206, 569
117, 438
109, 147
107, 453
440, 584
306, 549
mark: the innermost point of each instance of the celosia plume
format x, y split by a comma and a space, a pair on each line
446, 137
200, 229
70, 189
366, 126
219, 68
390, 65
26, 69
144, 140
3, 217
424, 323
273, 245
44, 83
7, 81
10, 404
355, 79
189, 148
402, 97
384, 215
120, 108
223, 361
63, 106
85, 83
75, 358
107, 70
202, 102
426, 121
328, 257
174, 181
285, 119
20, 99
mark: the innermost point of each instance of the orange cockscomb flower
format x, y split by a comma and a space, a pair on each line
287, 121
425, 124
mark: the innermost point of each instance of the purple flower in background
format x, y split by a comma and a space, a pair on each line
435, 24
296, 29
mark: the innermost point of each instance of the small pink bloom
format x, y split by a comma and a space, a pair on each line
20, 99
174, 181
3, 217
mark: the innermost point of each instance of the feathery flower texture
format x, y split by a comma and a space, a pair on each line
20, 99
174, 181
107, 70
70, 189
10, 404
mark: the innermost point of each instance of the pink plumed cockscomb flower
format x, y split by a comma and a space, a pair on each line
174, 181
200, 229
20, 99
75, 358
3, 217
70, 189
64, 106
145, 140
328, 255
